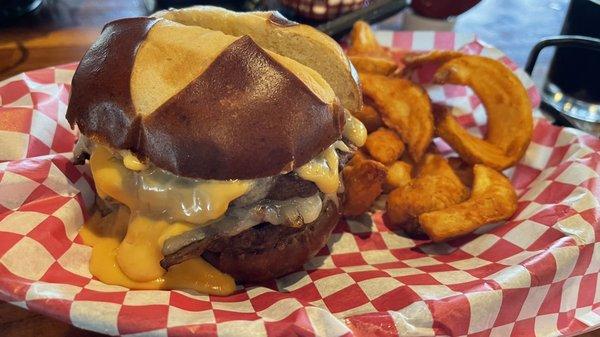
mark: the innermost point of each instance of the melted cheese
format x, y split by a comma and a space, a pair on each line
139, 253
132, 162
104, 235
354, 130
111, 177
160, 193
127, 248
323, 171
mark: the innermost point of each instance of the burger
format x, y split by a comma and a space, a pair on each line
215, 140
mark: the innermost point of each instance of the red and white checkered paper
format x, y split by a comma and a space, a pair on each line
536, 275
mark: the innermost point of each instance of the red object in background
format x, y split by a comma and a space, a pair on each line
441, 9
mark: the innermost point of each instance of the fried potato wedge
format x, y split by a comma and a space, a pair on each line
510, 119
398, 175
373, 64
414, 60
492, 199
384, 145
436, 187
405, 108
507, 105
363, 42
369, 117
358, 157
366, 54
363, 183
434, 164
471, 149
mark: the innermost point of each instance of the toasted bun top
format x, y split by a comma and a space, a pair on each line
272, 31
200, 103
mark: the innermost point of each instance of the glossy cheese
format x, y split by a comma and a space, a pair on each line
104, 235
162, 194
323, 171
111, 177
127, 248
132, 162
354, 130
139, 253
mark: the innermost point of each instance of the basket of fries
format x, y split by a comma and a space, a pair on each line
428, 195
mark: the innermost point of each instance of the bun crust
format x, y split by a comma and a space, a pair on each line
272, 31
100, 101
265, 252
249, 114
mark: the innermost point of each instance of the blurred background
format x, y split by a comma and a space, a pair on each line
38, 33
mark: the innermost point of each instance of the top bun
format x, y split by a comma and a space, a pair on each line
201, 103
272, 31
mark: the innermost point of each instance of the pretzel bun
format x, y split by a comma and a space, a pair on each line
206, 102
272, 31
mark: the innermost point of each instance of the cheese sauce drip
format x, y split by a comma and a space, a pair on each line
127, 248
131, 161
105, 236
127, 245
354, 130
323, 170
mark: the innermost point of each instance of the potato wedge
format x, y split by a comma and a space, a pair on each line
373, 64
413, 60
507, 105
509, 112
436, 187
463, 170
405, 108
398, 175
434, 164
493, 198
366, 54
384, 145
364, 42
369, 117
471, 149
363, 183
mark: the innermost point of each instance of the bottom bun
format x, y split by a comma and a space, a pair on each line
267, 251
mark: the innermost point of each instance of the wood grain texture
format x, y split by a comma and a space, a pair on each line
59, 32
62, 31
26, 52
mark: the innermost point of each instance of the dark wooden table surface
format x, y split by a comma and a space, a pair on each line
63, 30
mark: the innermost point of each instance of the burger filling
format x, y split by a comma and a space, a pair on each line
159, 221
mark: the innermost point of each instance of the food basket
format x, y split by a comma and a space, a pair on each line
535, 275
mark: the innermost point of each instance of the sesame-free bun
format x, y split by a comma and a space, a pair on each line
202, 103
272, 31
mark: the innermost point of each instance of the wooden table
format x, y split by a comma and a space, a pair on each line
60, 32
64, 29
